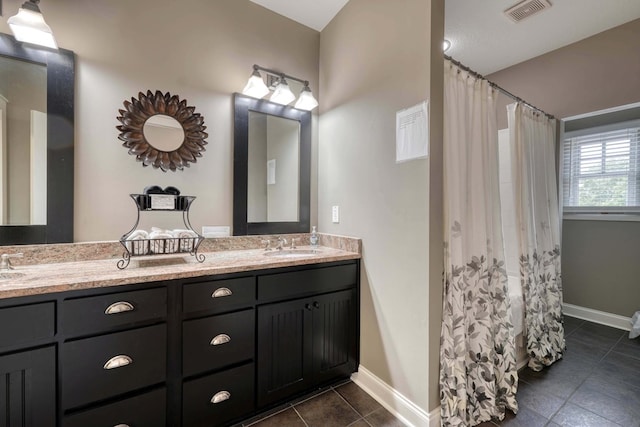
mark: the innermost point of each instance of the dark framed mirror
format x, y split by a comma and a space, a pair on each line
53, 223
271, 168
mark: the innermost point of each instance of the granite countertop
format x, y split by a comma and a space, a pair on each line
68, 276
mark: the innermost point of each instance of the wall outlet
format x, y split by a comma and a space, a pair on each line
335, 214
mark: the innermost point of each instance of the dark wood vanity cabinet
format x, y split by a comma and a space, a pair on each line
28, 388
207, 351
27, 365
308, 341
218, 351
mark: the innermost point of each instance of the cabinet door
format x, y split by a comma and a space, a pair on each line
335, 339
284, 349
28, 388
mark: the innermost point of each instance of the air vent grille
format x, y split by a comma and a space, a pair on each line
526, 8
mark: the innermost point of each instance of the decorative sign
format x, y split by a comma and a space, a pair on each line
162, 201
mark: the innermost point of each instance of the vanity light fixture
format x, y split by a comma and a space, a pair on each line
282, 94
255, 87
28, 26
306, 101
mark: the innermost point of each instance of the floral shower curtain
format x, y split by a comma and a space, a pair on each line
478, 377
532, 139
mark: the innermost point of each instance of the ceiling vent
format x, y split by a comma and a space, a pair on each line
526, 8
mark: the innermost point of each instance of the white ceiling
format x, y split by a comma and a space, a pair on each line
312, 13
482, 37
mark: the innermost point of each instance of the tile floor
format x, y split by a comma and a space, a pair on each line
596, 384
339, 406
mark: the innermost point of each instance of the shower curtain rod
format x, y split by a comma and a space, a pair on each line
496, 86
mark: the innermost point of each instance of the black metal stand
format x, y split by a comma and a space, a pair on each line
163, 246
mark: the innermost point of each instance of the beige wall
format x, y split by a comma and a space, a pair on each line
600, 259
375, 60
599, 72
201, 50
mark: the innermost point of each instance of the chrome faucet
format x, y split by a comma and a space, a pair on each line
5, 261
281, 242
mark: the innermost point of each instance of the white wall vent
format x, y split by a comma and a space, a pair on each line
526, 8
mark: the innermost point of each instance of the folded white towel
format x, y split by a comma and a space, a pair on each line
162, 242
183, 233
160, 235
138, 234
186, 238
138, 243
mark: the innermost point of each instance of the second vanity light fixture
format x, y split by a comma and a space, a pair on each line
28, 26
282, 94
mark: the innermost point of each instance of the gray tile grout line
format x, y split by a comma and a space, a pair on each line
363, 417
267, 417
300, 416
319, 393
568, 398
593, 369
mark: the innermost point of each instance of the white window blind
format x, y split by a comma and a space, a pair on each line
601, 170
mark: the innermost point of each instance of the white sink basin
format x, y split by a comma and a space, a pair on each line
292, 253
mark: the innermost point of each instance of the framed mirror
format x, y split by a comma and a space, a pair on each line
271, 168
162, 131
36, 140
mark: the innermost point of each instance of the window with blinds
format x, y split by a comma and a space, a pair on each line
602, 169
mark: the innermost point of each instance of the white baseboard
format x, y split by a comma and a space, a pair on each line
401, 407
597, 316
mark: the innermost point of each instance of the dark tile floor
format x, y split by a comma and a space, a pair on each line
596, 384
339, 406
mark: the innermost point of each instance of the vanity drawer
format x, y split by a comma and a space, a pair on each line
219, 295
145, 410
300, 283
89, 315
25, 324
232, 390
218, 341
105, 366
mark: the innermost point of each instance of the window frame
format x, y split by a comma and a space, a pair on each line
617, 213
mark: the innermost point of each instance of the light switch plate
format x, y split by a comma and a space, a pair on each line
335, 214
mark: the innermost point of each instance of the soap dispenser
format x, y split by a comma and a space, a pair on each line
313, 239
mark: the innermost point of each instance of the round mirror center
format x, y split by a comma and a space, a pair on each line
164, 133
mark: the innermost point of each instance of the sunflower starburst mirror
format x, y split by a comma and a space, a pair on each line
162, 131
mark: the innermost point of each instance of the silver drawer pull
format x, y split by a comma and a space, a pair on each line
119, 307
221, 292
118, 362
122, 425
220, 339
220, 396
